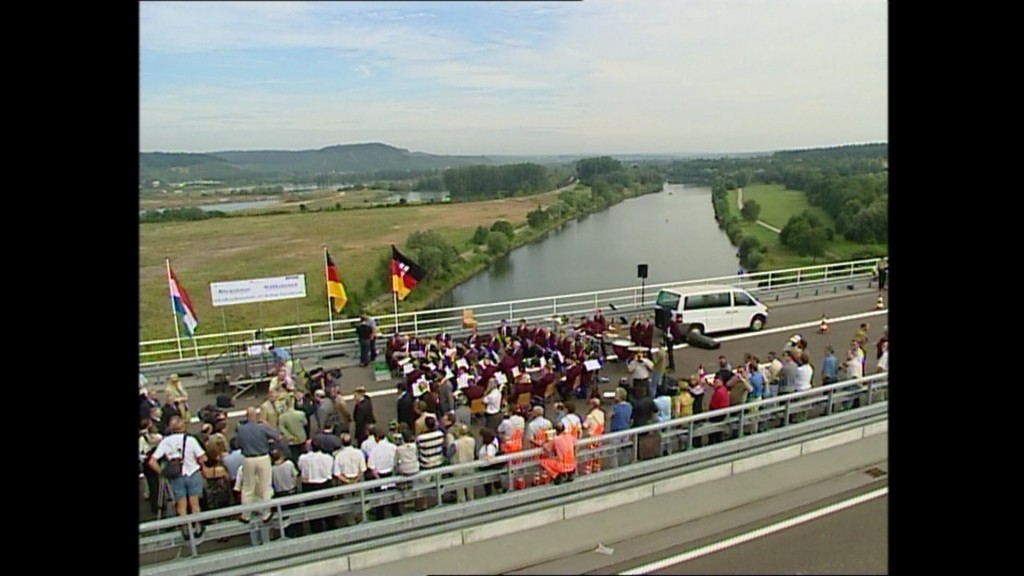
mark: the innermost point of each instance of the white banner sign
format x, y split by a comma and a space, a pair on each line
258, 290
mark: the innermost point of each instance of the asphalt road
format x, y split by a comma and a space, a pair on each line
850, 541
781, 317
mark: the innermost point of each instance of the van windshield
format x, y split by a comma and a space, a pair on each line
668, 300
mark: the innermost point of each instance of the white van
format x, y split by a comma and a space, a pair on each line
711, 309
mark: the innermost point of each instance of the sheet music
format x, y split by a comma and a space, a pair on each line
407, 369
592, 365
463, 381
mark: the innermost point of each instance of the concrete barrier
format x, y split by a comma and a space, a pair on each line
876, 428
766, 459
812, 446
692, 479
407, 549
512, 525
369, 559
613, 500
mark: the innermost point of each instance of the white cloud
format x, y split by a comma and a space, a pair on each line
602, 75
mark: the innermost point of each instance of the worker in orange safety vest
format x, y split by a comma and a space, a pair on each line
559, 459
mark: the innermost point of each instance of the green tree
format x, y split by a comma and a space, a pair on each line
753, 261
480, 236
505, 227
751, 210
749, 245
497, 243
809, 242
537, 218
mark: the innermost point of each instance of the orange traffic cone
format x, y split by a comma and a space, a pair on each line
823, 327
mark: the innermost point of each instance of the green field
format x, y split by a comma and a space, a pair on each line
778, 204
239, 248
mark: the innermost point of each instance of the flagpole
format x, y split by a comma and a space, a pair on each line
394, 296
330, 313
174, 313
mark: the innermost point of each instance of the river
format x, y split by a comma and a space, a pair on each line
673, 231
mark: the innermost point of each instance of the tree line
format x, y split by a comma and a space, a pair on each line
491, 181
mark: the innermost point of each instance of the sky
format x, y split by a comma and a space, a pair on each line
514, 78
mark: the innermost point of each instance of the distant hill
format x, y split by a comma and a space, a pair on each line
268, 166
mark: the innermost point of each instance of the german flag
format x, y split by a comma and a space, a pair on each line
335, 289
405, 274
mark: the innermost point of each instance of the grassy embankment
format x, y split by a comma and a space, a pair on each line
238, 248
778, 204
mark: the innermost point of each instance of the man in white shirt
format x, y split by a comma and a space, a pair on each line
349, 468
381, 464
801, 382
804, 376
883, 367
883, 361
371, 441
316, 469
188, 485
349, 463
640, 367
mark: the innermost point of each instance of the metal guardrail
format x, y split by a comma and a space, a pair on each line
153, 353
777, 414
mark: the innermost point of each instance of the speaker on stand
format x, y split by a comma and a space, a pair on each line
641, 273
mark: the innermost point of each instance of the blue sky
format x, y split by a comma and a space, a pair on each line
591, 77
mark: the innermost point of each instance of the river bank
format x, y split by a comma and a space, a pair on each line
478, 261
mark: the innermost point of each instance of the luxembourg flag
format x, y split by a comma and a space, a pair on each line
181, 303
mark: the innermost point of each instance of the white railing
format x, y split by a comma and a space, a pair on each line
167, 351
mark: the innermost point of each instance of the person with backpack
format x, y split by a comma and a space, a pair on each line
179, 457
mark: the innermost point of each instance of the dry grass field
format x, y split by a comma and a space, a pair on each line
239, 248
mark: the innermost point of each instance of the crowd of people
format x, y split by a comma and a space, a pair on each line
459, 400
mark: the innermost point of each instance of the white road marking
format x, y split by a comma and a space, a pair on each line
392, 391
765, 531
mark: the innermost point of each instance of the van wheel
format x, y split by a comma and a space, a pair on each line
757, 323
698, 328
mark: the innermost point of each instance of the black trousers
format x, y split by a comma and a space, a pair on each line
295, 530
320, 524
395, 508
153, 481
716, 437
698, 408
296, 451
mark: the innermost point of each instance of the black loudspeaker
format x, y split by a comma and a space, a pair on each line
662, 317
641, 270
698, 340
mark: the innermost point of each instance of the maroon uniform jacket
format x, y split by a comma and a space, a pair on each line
541, 386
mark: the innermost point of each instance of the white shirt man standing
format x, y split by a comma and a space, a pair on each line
381, 464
